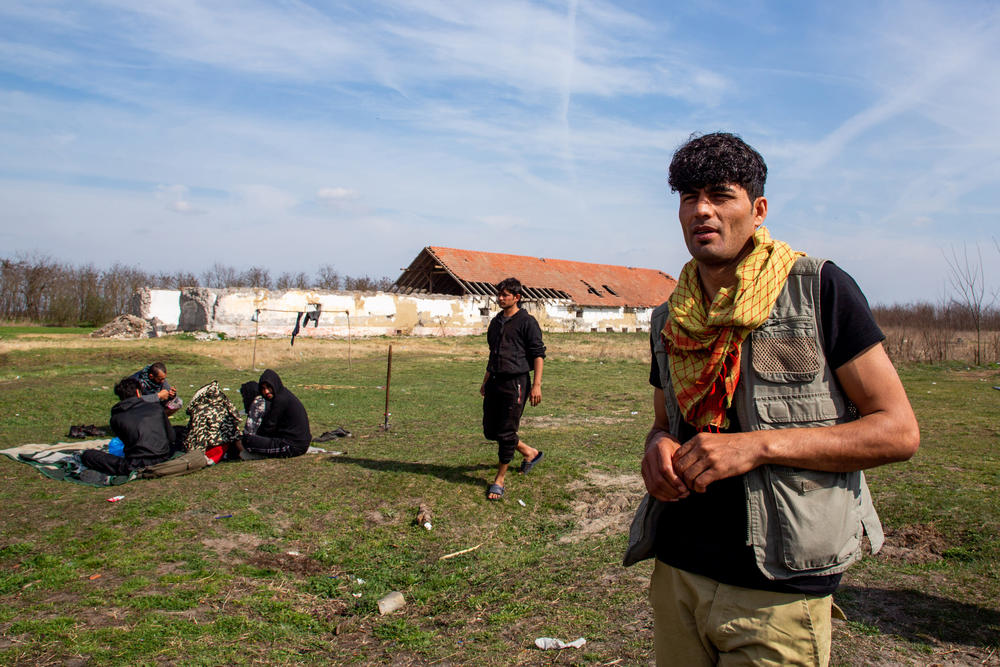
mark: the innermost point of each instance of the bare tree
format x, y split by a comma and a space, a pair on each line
965, 275
327, 278
292, 281
255, 276
219, 275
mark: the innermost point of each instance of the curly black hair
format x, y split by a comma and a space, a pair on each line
127, 387
715, 159
512, 285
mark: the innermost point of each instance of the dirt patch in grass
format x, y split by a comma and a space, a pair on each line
288, 562
224, 545
375, 517
602, 504
917, 543
549, 421
854, 645
168, 568
102, 617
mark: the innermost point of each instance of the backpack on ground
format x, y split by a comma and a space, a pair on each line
179, 465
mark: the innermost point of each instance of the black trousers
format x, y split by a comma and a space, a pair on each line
503, 405
276, 447
110, 464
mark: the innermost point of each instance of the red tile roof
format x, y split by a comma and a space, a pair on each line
615, 285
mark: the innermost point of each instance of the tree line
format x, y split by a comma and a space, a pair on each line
43, 290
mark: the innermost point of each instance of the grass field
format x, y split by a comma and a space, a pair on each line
284, 561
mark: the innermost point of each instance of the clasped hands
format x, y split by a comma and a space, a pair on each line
672, 470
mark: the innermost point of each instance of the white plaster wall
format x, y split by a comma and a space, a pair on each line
380, 313
165, 304
377, 304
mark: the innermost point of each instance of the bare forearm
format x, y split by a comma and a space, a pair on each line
886, 432
538, 365
870, 441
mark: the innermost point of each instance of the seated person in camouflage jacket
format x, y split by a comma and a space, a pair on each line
214, 424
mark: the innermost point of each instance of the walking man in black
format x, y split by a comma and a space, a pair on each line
516, 350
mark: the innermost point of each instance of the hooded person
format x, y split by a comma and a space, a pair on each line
283, 431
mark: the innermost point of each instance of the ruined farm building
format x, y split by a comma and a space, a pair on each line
444, 291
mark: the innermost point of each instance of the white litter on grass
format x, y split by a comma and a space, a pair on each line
357, 595
427, 525
360, 581
547, 643
225, 389
391, 603
521, 503
635, 412
293, 553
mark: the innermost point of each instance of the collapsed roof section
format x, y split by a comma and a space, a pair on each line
438, 270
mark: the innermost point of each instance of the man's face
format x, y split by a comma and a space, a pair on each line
718, 222
266, 391
505, 299
158, 377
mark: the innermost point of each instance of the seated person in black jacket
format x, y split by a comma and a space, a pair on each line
284, 428
143, 427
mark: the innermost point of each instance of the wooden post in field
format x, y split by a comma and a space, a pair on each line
388, 379
253, 362
348, 340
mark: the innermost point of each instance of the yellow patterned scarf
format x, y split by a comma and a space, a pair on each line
703, 345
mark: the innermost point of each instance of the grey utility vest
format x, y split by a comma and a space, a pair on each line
799, 522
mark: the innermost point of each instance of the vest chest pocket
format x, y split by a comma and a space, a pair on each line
818, 515
785, 350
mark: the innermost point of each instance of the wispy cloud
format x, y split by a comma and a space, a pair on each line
460, 121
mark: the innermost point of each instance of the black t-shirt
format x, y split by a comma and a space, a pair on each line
705, 533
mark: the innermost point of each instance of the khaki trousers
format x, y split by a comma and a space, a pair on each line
698, 621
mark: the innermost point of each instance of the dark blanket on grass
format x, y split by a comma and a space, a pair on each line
62, 461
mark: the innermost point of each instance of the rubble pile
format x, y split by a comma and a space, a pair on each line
126, 326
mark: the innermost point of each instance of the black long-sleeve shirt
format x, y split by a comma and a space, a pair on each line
515, 343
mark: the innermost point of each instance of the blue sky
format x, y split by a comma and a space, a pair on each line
290, 134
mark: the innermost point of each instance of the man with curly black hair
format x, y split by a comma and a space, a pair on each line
771, 394
516, 350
